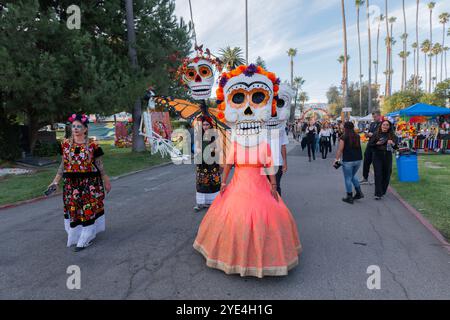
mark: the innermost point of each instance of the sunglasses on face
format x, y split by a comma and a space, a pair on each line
77, 126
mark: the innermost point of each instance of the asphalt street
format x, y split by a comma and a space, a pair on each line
146, 251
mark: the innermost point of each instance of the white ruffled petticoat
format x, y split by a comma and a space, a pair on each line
82, 236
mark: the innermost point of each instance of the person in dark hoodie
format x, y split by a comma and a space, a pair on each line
383, 143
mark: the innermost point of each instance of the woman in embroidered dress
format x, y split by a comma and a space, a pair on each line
207, 173
84, 184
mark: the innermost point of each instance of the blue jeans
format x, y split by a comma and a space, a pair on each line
316, 141
350, 169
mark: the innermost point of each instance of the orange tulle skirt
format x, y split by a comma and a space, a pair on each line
246, 231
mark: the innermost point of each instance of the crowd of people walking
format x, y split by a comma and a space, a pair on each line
316, 136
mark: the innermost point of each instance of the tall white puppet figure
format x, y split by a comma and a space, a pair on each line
276, 130
248, 229
198, 75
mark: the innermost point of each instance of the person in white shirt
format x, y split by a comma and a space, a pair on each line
325, 140
278, 141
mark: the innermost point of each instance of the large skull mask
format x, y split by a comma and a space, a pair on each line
248, 105
278, 120
199, 77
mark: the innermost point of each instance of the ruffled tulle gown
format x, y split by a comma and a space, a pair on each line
246, 230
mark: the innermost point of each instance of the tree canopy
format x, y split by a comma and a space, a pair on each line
50, 71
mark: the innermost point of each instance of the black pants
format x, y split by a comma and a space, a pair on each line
382, 165
278, 176
368, 155
311, 149
334, 141
325, 147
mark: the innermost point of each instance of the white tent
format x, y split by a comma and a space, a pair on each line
352, 118
367, 118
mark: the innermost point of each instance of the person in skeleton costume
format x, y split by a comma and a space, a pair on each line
248, 229
198, 75
276, 127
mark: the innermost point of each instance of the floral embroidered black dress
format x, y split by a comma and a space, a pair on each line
207, 179
83, 191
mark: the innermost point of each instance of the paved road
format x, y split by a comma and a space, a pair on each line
146, 252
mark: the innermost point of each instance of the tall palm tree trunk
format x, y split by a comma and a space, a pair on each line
369, 98
345, 75
405, 47
442, 53
426, 73
388, 55
246, 32
378, 53
416, 80
430, 61
415, 70
360, 64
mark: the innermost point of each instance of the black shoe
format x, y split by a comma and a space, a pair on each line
349, 198
377, 197
358, 194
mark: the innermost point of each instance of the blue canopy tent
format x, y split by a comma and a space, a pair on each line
393, 114
422, 109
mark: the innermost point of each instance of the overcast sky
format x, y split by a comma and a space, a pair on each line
314, 27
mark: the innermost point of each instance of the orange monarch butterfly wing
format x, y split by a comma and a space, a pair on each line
185, 109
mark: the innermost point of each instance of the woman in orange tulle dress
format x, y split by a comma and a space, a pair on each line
248, 229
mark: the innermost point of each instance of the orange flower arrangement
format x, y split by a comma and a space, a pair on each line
249, 71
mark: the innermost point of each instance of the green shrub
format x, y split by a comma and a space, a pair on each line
9, 137
46, 149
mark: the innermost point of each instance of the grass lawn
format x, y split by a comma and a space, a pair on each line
431, 195
117, 161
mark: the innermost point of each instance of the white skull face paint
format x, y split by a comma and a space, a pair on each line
248, 101
285, 95
199, 77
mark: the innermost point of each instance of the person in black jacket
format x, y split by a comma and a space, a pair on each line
383, 143
369, 151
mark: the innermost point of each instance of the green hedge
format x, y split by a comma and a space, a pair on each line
9, 137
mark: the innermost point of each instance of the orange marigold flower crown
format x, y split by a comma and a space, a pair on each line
207, 55
248, 71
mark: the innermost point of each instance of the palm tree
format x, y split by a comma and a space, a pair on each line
414, 45
380, 18
298, 83
292, 53
403, 55
246, 32
260, 62
345, 57
416, 81
426, 47
437, 50
391, 42
369, 98
405, 47
431, 7
443, 18
303, 98
359, 3
388, 55
231, 57
445, 60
